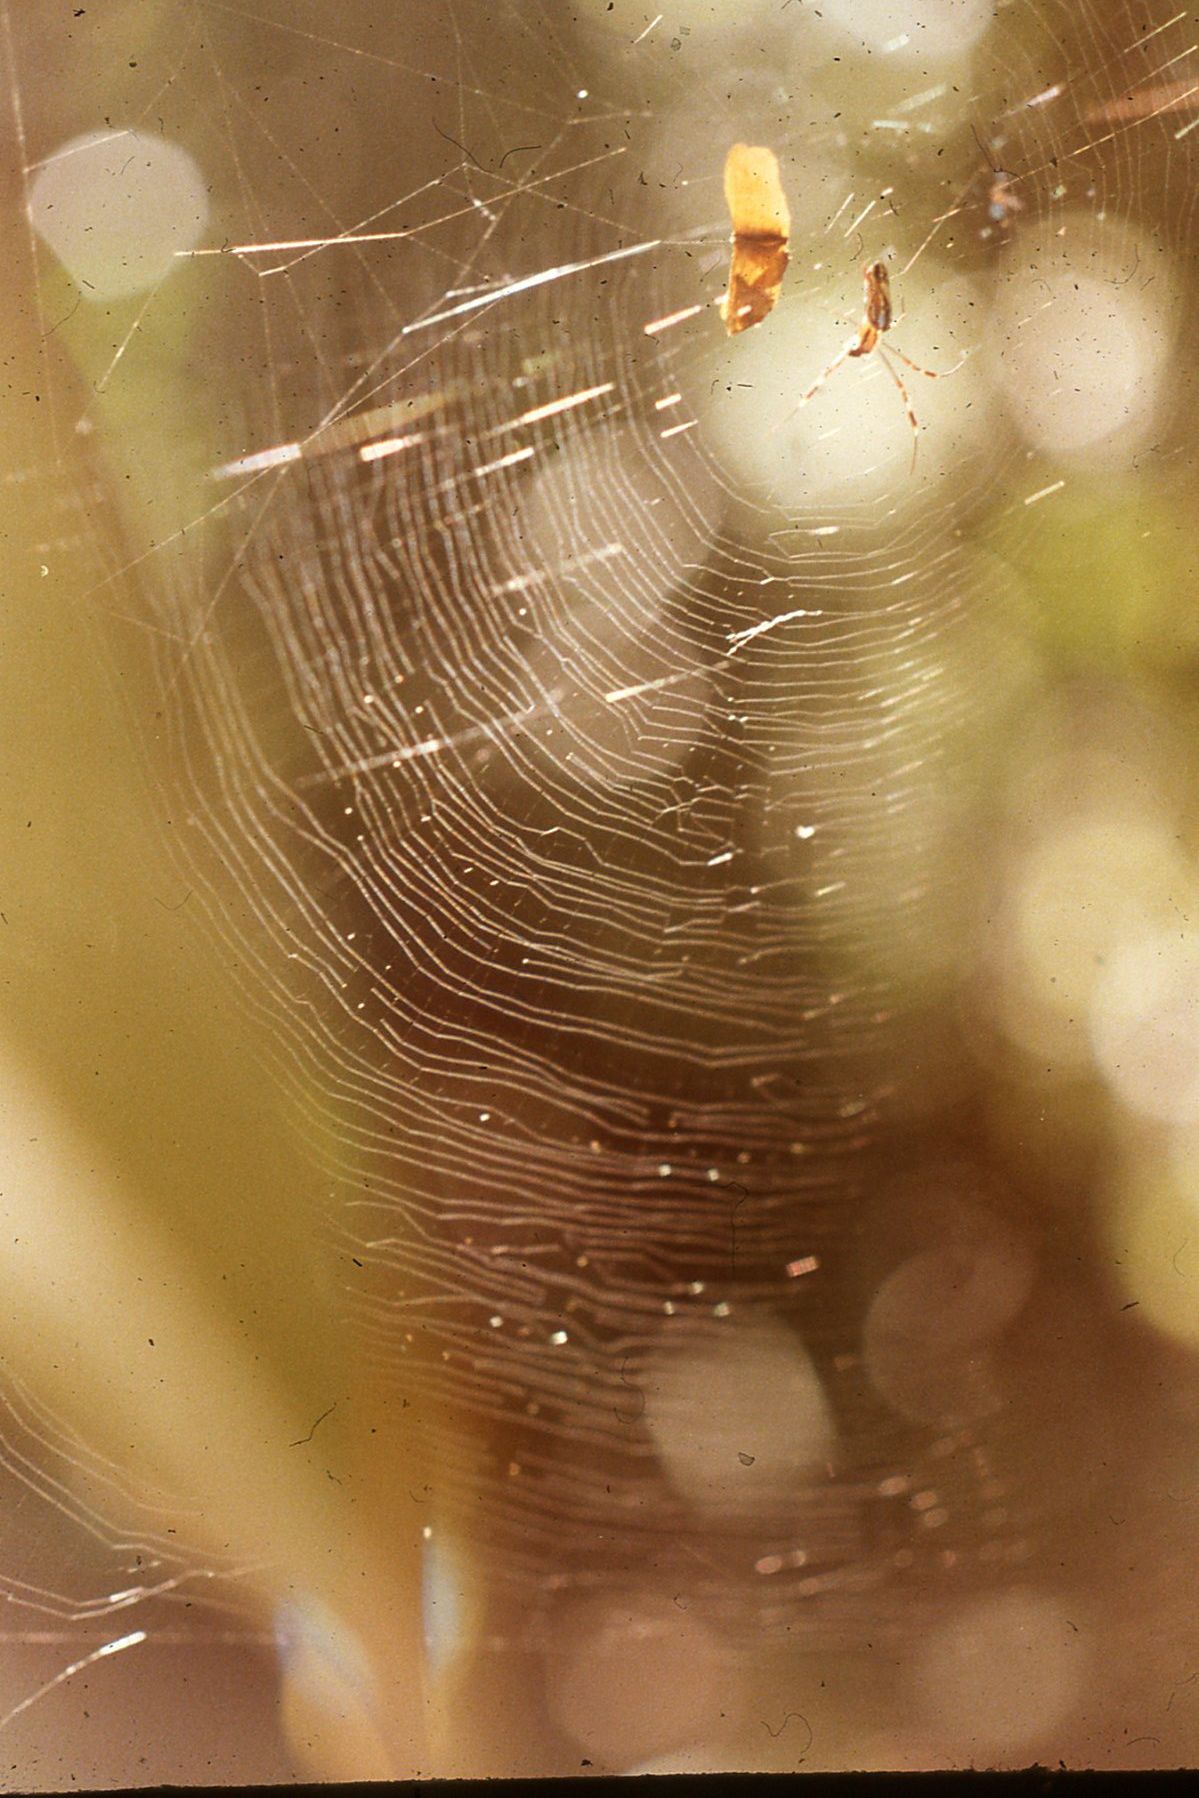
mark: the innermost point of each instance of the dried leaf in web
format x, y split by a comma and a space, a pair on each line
761, 219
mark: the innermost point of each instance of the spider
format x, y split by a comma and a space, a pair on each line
878, 319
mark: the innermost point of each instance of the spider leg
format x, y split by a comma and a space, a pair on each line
817, 384
832, 368
934, 374
907, 403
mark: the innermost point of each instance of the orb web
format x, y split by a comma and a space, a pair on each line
587, 752
593, 774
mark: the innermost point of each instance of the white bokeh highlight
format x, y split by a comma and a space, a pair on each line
736, 1420
115, 207
934, 1319
852, 442
1089, 887
1145, 1025
1081, 347
604, 620
996, 1678
636, 1679
939, 29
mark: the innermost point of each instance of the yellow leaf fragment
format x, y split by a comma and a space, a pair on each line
761, 220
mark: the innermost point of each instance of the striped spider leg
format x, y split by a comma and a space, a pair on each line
878, 318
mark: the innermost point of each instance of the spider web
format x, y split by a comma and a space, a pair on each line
587, 752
